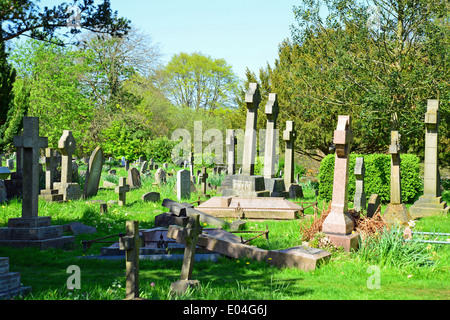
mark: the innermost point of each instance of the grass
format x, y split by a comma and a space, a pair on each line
344, 277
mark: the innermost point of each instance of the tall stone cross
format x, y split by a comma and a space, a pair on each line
130, 243
270, 153
359, 201
231, 151
122, 190
431, 179
337, 221
289, 137
191, 233
394, 150
66, 146
30, 142
252, 99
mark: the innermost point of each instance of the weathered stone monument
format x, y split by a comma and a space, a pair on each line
396, 211
430, 203
183, 184
50, 193
247, 184
130, 243
372, 206
93, 173
30, 229
338, 226
359, 201
275, 186
122, 190
190, 233
203, 177
67, 146
160, 176
144, 167
294, 189
134, 178
4, 174
231, 142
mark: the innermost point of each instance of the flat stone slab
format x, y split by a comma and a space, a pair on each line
298, 257
252, 208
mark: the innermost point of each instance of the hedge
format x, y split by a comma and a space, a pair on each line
377, 176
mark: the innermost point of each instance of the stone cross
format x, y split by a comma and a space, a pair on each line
231, 142
66, 145
359, 201
191, 233
431, 179
130, 243
394, 150
122, 190
289, 137
252, 99
270, 154
337, 221
203, 177
49, 164
30, 142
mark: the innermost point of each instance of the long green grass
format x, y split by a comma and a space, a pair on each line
344, 277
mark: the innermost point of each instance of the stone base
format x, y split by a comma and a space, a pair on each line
166, 219
276, 187
51, 195
347, 241
428, 206
70, 191
181, 286
397, 213
245, 186
10, 281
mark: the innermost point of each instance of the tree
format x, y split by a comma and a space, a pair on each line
197, 81
375, 62
24, 17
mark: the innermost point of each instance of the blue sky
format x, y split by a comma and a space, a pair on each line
246, 33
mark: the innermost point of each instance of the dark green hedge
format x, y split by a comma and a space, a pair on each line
377, 177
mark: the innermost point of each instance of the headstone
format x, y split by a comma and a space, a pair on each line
67, 146
372, 206
203, 178
144, 167
396, 211
134, 178
160, 176
30, 229
122, 190
430, 203
183, 184
295, 190
130, 243
338, 226
231, 151
191, 233
151, 196
359, 201
127, 165
191, 164
93, 173
151, 163
10, 164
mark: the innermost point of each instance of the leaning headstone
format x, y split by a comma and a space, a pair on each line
134, 178
151, 196
93, 173
183, 184
396, 211
430, 203
338, 225
372, 206
122, 190
359, 201
30, 229
191, 233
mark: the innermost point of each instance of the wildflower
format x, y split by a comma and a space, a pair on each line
409, 276
152, 284
237, 261
270, 259
248, 263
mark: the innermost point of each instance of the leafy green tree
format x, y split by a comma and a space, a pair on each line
197, 81
7, 77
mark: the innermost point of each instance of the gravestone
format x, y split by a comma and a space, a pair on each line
396, 211
50, 193
191, 164
67, 146
4, 174
359, 201
30, 229
231, 151
122, 190
295, 190
93, 173
275, 186
338, 225
203, 178
372, 206
160, 176
190, 233
151, 196
430, 203
10, 285
130, 243
127, 165
183, 184
144, 167
134, 178
10, 164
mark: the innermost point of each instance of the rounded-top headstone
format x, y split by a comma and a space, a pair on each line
95, 170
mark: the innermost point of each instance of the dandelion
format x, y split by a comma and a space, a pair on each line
237, 261
248, 263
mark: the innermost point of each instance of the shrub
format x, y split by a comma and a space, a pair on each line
377, 176
160, 149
